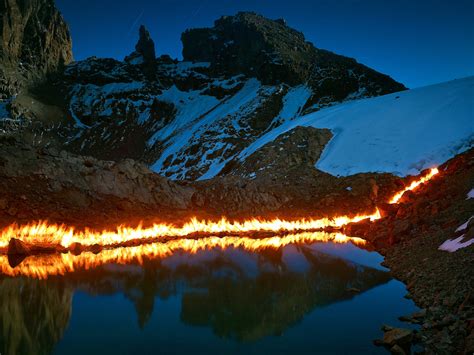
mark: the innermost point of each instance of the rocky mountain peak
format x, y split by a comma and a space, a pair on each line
250, 43
274, 52
34, 41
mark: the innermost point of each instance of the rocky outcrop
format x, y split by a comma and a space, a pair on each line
280, 179
144, 53
34, 41
273, 52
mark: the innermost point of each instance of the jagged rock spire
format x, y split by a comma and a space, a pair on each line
144, 49
145, 45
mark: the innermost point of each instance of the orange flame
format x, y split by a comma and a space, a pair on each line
43, 233
44, 266
414, 185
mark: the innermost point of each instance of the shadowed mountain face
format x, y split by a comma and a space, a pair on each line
238, 295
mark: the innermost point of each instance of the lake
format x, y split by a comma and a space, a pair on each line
321, 297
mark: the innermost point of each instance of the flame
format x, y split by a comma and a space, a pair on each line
414, 185
168, 238
52, 234
44, 266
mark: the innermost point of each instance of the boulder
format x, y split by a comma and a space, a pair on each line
397, 350
18, 247
397, 336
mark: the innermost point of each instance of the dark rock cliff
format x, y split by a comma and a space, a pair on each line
273, 52
34, 41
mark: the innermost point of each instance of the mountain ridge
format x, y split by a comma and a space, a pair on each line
186, 118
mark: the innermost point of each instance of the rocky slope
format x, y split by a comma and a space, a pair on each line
49, 184
413, 237
46, 184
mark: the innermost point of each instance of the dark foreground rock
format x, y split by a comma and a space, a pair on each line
396, 340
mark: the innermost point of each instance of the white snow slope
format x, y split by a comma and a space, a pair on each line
400, 133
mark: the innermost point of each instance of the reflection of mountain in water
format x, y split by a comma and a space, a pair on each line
250, 308
239, 295
33, 315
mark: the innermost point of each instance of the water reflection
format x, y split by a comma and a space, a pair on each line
240, 295
33, 314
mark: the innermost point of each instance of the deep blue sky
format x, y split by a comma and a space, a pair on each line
416, 42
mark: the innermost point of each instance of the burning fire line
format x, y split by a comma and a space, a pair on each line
113, 242
43, 266
44, 233
396, 198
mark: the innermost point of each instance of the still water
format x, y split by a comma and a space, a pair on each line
301, 299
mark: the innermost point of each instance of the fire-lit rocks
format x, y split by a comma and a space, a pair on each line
17, 247
439, 281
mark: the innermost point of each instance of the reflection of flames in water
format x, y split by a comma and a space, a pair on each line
53, 235
42, 266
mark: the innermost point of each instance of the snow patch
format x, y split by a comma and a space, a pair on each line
190, 105
293, 102
452, 245
138, 60
470, 194
464, 225
192, 128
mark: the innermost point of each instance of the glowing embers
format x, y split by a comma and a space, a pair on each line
414, 185
47, 265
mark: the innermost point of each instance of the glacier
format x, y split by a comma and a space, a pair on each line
400, 133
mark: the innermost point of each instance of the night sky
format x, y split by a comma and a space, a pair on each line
416, 42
